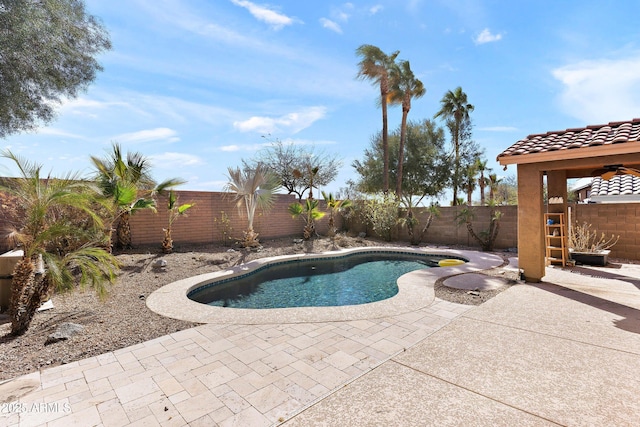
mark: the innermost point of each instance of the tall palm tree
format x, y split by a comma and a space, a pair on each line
469, 183
127, 187
48, 263
375, 65
483, 181
405, 86
455, 107
494, 183
253, 188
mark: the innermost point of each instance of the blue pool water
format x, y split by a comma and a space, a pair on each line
347, 280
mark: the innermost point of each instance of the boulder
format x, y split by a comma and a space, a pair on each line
63, 332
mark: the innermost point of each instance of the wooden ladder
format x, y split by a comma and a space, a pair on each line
555, 238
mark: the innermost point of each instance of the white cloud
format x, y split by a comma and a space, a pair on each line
171, 160
499, 129
485, 36
88, 107
257, 147
276, 20
375, 9
147, 135
292, 122
58, 132
244, 147
601, 91
331, 25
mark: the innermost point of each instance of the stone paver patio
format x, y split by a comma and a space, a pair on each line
563, 352
222, 374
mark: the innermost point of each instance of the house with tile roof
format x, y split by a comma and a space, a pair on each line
618, 189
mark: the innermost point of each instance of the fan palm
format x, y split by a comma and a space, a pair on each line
455, 107
311, 212
405, 87
175, 211
375, 65
334, 207
253, 188
126, 187
46, 264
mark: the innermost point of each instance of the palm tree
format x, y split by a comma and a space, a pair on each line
494, 182
311, 212
255, 188
483, 181
375, 65
175, 211
334, 207
405, 86
48, 262
455, 107
469, 183
126, 187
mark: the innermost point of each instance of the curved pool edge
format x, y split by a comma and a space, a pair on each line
415, 291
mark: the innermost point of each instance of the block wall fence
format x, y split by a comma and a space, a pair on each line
202, 225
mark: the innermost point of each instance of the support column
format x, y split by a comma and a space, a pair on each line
530, 222
557, 191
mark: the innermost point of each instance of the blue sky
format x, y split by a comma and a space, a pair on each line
195, 84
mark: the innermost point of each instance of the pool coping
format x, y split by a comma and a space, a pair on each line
415, 291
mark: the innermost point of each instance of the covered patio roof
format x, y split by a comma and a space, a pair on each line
560, 155
579, 150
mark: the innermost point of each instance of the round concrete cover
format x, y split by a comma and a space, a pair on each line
474, 282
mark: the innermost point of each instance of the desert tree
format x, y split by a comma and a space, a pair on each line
48, 53
426, 164
292, 163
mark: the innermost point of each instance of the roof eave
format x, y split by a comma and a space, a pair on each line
571, 153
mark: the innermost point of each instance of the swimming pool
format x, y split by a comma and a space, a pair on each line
322, 282
415, 290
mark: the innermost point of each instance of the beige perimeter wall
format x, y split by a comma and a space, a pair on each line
202, 225
621, 219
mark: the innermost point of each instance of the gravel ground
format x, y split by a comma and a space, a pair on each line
123, 318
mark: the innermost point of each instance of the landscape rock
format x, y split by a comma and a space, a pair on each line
160, 263
64, 332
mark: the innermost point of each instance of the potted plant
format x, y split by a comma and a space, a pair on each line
586, 247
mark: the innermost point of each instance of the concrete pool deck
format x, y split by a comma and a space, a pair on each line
562, 352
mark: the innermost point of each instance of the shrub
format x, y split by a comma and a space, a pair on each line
382, 214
